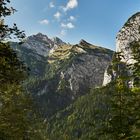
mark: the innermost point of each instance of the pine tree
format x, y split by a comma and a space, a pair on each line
18, 120
135, 68
135, 77
120, 113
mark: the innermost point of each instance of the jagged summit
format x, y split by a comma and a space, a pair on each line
83, 42
86, 45
39, 43
58, 41
42, 44
133, 16
42, 38
40, 35
129, 33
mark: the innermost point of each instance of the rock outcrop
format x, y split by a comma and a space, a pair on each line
129, 33
33, 60
58, 41
42, 44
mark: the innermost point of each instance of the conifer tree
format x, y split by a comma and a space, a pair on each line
135, 77
124, 109
17, 118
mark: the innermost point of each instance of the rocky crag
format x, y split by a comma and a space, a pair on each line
129, 34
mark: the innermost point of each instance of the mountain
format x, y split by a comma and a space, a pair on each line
41, 44
61, 72
81, 66
127, 38
34, 61
110, 112
58, 41
34, 52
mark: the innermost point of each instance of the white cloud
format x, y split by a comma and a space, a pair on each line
71, 5
72, 18
51, 5
44, 21
67, 25
57, 15
63, 32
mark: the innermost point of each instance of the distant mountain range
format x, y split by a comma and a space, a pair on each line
61, 72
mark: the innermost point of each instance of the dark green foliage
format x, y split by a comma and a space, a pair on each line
135, 77
18, 120
82, 120
107, 113
135, 48
17, 117
7, 32
11, 69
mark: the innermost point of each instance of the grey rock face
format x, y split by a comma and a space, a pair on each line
34, 61
41, 44
58, 41
129, 33
73, 71
67, 72
87, 71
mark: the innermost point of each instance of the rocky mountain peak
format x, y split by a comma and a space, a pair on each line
58, 41
129, 33
41, 38
39, 43
42, 44
84, 43
40, 35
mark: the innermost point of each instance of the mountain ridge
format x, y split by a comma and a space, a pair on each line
62, 73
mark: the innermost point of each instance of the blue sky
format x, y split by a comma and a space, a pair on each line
96, 21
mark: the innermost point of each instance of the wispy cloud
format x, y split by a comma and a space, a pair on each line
51, 5
67, 25
63, 32
71, 5
57, 15
44, 21
71, 18
66, 22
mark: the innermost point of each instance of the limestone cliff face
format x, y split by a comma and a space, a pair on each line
87, 69
81, 66
129, 33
